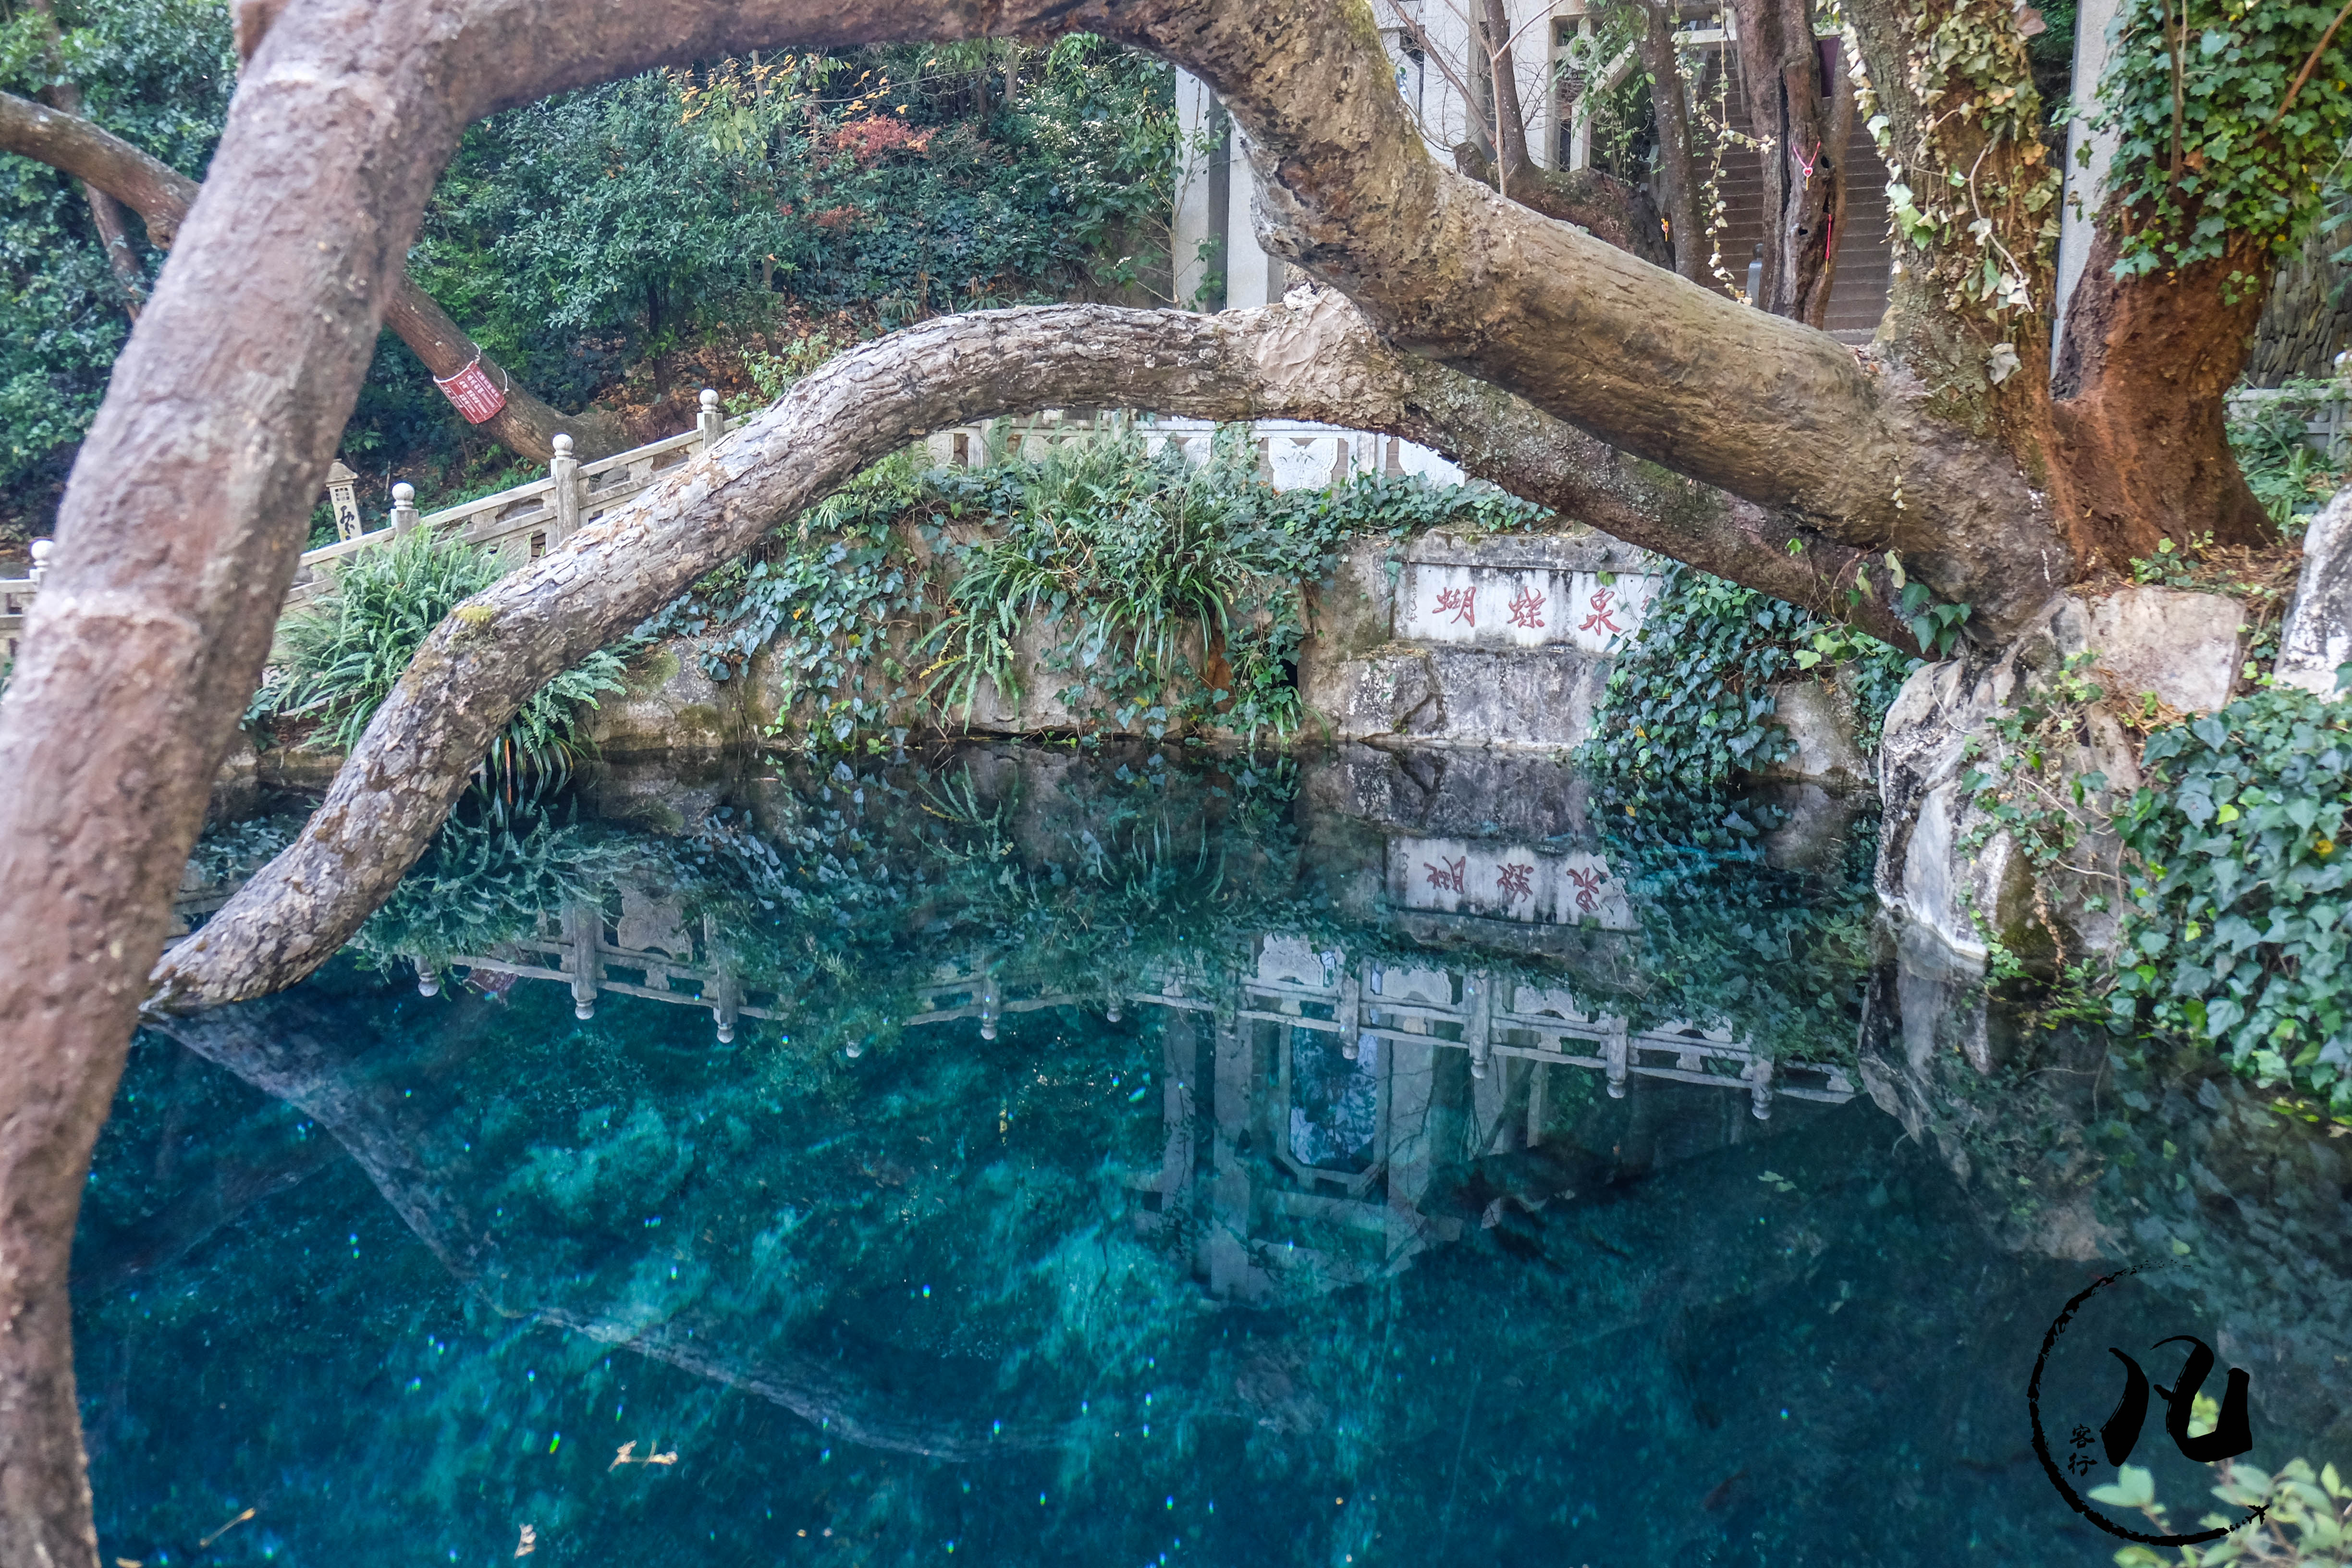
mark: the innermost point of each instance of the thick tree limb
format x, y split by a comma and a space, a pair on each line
1752, 403
113, 170
1319, 361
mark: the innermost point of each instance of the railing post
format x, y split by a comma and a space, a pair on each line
710, 424
565, 469
41, 548
403, 507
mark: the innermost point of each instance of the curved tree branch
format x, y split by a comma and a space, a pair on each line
1318, 359
114, 170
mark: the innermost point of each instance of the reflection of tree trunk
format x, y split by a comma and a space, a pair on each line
292, 1051
1679, 181
111, 168
2308, 320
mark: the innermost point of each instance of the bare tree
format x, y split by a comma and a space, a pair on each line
181, 527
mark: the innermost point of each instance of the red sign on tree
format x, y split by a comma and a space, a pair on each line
472, 393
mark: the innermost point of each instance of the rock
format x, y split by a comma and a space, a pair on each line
1948, 866
2317, 636
1820, 719
2184, 647
668, 704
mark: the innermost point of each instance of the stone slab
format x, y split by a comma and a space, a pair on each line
2317, 636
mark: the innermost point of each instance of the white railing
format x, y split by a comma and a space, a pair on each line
528, 520
2322, 410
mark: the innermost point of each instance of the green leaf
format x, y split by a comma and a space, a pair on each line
2132, 1488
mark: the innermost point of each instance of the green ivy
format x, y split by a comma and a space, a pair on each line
2236, 931
1691, 699
2213, 158
1172, 594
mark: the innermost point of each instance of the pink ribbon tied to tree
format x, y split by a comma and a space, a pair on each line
471, 393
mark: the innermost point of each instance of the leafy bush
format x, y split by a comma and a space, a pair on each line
2237, 929
1175, 593
1692, 688
341, 652
2289, 477
2215, 160
2317, 1508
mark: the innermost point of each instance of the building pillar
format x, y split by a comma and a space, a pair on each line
1253, 277
1201, 194
2088, 153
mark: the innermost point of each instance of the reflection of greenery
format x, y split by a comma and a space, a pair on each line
341, 652
1725, 936
488, 874
845, 893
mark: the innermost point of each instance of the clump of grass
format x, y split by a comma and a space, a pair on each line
340, 654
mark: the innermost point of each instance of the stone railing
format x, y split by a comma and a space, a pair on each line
524, 523
2322, 410
528, 520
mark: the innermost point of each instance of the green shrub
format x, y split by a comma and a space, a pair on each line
1136, 564
340, 654
2236, 931
1691, 699
2289, 476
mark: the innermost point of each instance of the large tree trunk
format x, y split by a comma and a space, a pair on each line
480, 666
112, 170
1678, 175
2143, 453
1794, 115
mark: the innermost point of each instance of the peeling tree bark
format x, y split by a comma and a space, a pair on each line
113, 170
1321, 362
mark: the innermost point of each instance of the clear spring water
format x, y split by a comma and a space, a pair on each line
1133, 1159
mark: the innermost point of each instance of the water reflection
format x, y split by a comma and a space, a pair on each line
1085, 1161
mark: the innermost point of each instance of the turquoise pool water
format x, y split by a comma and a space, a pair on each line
1128, 1159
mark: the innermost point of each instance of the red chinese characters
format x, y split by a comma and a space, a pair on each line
1602, 610
1515, 882
1446, 876
1526, 607
1588, 888
1461, 603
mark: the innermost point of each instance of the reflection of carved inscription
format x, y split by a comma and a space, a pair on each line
1515, 882
1527, 608
1447, 875
1462, 602
1588, 886
1602, 610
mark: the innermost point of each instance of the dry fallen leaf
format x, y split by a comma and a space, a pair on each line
224, 1530
529, 1543
623, 1458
